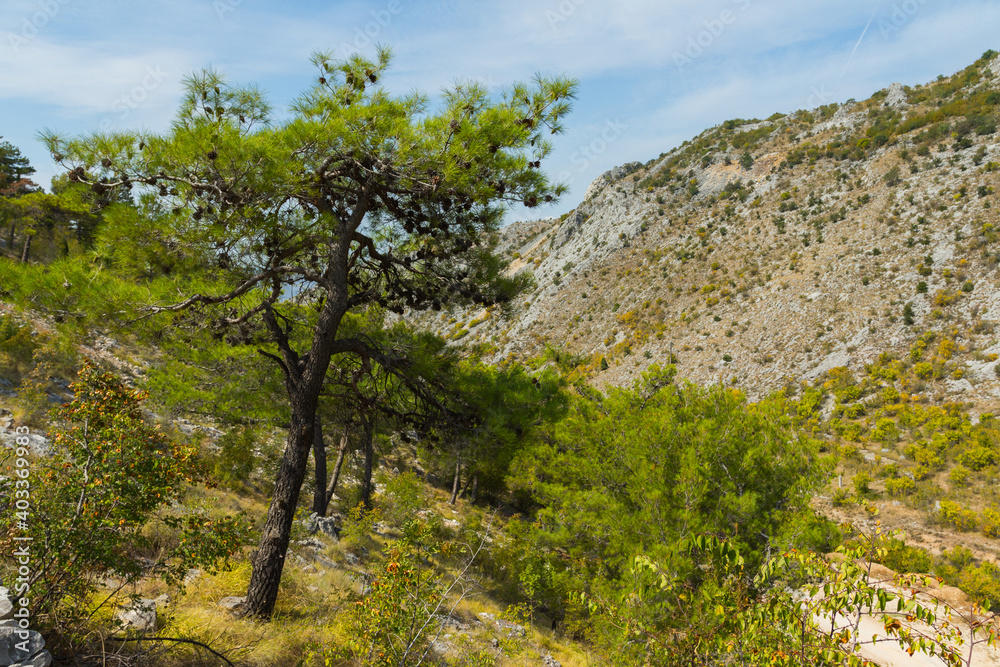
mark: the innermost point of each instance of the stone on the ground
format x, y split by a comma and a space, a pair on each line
232, 603
6, 603
40, 659
20, 646
37, 444
511, 628
328, 525
139, 616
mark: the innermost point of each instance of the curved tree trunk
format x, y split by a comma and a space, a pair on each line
269, 560
344, 442
319, 460
304, 378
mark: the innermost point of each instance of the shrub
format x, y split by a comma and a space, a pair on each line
17, 346
944, 298
110, 476
956, 516
901, 557
978, 457
885, 430
841, 497
959, 475
991, 523
862, 481
900, 486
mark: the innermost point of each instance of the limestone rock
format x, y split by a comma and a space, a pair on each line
512, 629
6, 603
232, 603
140, 616
328, 525
38, 444
896, 97
20, 646
40, 659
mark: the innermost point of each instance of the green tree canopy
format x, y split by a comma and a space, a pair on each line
638, 470
365, 197
13, 165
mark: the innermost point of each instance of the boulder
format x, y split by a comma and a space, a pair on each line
40, 659
38, 445
232, 603
328, 525
139, 616
549, 661
895, 97
19, 647
6, 603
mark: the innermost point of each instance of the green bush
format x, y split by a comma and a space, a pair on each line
899, 486
954, 515
991, 523
111, 476
903, 558
959, 475
17, 347
862, 481
977, 458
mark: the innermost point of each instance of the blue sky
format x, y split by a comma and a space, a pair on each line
652, 73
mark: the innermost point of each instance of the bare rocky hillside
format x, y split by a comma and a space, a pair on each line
763, 252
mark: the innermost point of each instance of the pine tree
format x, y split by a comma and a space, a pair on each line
365, 198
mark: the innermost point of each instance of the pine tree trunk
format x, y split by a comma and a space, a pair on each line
366, 483
319, 460
269, 560
27, 248
475, 488
468, 485
344, 442
457, 479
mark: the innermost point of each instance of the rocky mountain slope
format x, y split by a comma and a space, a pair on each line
763, 252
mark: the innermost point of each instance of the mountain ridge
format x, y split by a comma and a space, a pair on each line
827, 221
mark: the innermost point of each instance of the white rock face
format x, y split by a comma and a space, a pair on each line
896, 97
834, 360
